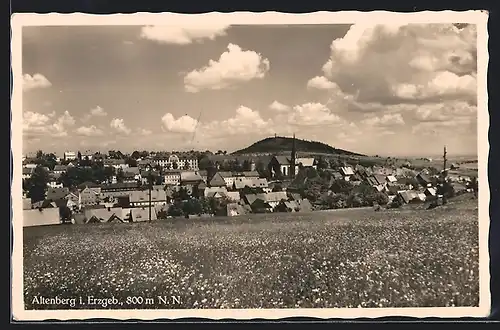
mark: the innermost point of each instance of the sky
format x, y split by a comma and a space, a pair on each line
395, 90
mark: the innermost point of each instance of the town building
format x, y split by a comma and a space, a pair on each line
27, 172
54, 181
69, 155
176, 162
41, 217
89, 196
141, 198
116, 163
118, 189
60, 169
172, 177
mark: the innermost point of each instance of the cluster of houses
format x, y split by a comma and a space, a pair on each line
134, 199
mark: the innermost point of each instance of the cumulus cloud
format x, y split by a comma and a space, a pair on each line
233, 66
35, 119
279, 107
461, 126
394, 119
144, 132
397, 63
245, 121
443, 85
321, 82
446, 111
183, 124
119, 126
36, 81
98, 111
37, 123
66, 119
312, 114
89, 131
95, 112
183, 35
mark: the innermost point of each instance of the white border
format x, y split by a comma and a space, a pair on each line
474, 17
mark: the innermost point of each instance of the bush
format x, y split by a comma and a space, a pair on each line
355, 200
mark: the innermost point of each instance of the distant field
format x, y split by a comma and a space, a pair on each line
344, 258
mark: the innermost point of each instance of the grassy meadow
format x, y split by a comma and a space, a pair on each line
340, 258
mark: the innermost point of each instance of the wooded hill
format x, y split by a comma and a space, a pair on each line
284, 144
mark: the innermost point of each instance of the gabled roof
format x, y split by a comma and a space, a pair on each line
391, 178
110, 161
57, 193
290, 205
60, 168
210, 191
88, 184
103, 214
140, 196
306, 162
424, 177
90, 190
409, 195
115, 218
226, 174
273, 196
347, 170
190, 176
294, 196
120, 185
232, 195
380, 178
430, 191
250, 198
135, 170
372, 180
217, 181
392, 189
243, 182
282, 160
251, 174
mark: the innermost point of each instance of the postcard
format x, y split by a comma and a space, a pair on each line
250, 165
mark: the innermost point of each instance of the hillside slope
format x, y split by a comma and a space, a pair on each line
282, 144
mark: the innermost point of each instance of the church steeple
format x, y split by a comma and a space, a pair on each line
293, 159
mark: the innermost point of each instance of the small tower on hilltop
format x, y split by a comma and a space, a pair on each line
253, 166
293, 159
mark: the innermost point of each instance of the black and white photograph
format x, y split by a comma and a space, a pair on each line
250, 165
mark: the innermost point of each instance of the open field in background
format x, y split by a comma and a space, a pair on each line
344, 258
436, 162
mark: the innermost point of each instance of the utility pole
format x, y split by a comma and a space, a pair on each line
444, 175
150, 181
293, 160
